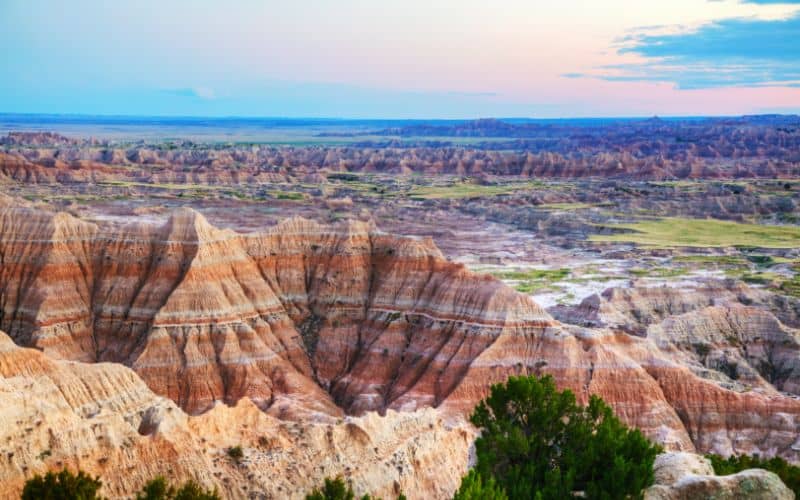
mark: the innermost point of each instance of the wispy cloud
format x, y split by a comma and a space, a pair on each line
457, 93
195, 92
746, 52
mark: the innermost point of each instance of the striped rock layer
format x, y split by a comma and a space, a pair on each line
302, 313
102, 419
312, 320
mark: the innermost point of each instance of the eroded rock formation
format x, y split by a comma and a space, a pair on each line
680, 476
307, 320
103, 419
299, 312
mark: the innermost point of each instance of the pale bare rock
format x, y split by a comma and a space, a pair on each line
314, 322
669, 468
685, 476
741, 347
102, 419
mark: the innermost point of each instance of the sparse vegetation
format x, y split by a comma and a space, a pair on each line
759, 278
702, 349
537, 442
160, 489
532, 280
789, 474
791, 286
684, 232
466, 190
290, 195
658, 272
474, 487
565, 206
729, 368
63, 485
336, 489
236, 453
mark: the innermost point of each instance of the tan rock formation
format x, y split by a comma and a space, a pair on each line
685, 476
205, 315
103, 419
741, 347
312, 321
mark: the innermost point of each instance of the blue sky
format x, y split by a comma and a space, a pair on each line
731, 52
412, 58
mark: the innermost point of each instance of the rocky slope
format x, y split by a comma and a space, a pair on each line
686, 476
311, 321
101, 418
299, 312
714, 329
746, 147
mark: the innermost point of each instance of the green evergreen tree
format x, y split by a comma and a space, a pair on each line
159, 489
193, 491
473, 487
337, 489
63, 485
789, 474
156, 489
333, 489
537, 442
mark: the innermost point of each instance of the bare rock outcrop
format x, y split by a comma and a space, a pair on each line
313, 322
743, 347
103, 419
305, 312
685, 476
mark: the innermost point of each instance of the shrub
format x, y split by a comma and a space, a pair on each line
537, 442
473, 487
789, 474
337, 489
702, 349
236, 453
159, 489
62, 486
333, 489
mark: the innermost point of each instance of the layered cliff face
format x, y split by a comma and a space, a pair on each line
102, 419
302, 314
739, 345
306, 320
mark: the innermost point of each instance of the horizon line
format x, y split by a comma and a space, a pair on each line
365, 119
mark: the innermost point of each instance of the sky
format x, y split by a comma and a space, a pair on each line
400, 59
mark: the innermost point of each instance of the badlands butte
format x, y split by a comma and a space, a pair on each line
303, 324
338, 310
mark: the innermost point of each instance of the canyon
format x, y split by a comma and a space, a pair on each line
311, 324
339, 309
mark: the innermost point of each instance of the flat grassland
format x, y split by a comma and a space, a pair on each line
683, 232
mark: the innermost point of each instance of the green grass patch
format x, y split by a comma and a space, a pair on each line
564, 206
532, 280
466, 190
658, 272
791, 287
682, 232
677, 184
712, 260
290, 195
169, 186
534, 274
759, 278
